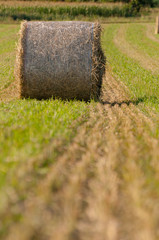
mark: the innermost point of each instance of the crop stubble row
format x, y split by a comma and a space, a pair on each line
131, 51
98, 188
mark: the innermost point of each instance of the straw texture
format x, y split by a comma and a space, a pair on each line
60, 59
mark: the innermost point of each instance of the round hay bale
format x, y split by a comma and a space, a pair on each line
59, 59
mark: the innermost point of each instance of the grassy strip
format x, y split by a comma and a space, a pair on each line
31, 131
7, 53
144, 88
53, 13
27, 126
142, 84
136, 35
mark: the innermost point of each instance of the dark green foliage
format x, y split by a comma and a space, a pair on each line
53, 13
136, 5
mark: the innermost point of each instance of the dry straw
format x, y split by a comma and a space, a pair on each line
60, 59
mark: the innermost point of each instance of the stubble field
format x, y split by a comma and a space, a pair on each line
76, 170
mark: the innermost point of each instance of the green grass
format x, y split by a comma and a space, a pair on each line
30, 129
136, 35
144, 86
28, 126
8, 37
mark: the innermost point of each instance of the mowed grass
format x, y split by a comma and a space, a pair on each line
136, 35
31, 129
8, 37
27, 127
143, 84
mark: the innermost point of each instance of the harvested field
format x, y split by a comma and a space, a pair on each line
99, 186
135, 52
58, 3
102, 184
130, 68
